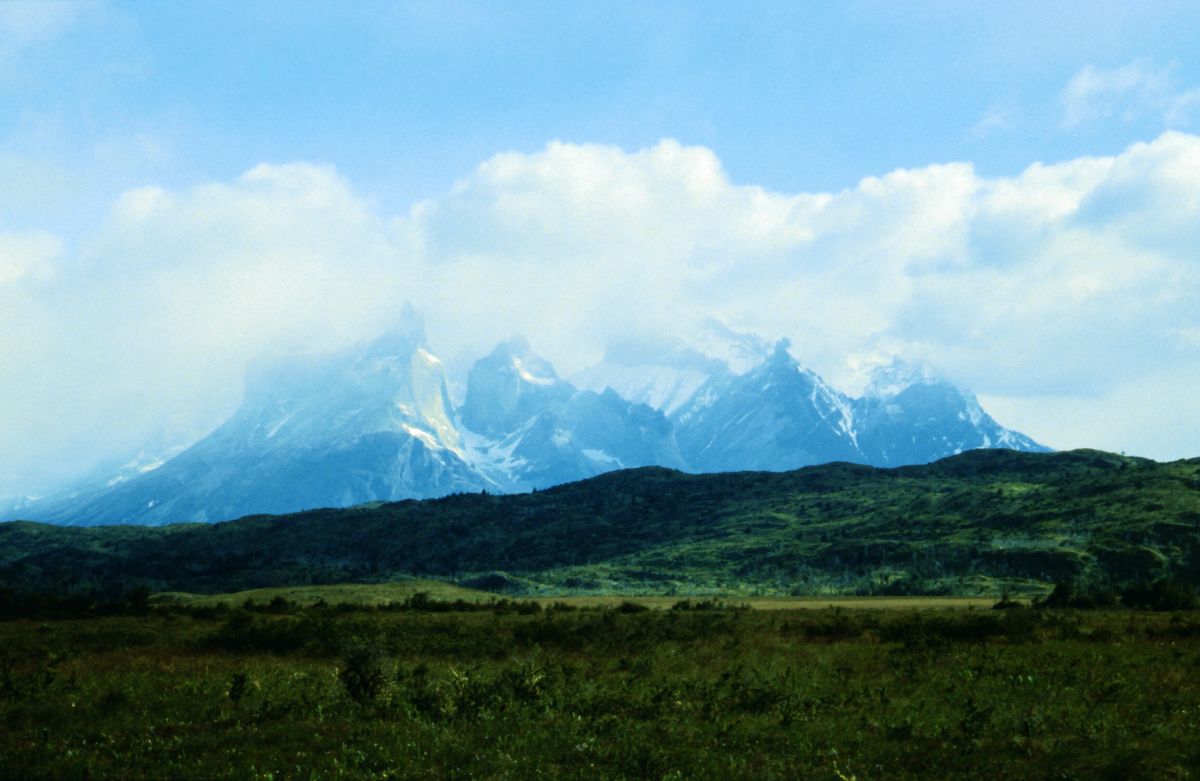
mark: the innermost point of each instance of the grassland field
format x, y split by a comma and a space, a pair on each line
432, 688
554, 664
384, 593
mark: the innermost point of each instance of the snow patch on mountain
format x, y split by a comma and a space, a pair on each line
377, 423
666, 374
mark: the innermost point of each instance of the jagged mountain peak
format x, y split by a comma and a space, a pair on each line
367, 423
894, 376
664, 373
402, 339
391, 385
781, 367
375, 422
740, 351
508, 387
777, 416
909, 415
780, 357
516, 345
514, 355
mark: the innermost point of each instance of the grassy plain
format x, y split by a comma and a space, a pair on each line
348, 593
523, 691
375, 594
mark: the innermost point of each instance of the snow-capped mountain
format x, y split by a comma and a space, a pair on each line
777, 416
665, 375
508, 387
738, 350
178, 434
312, 432
783, 416
376, 423
533, 430
908, 416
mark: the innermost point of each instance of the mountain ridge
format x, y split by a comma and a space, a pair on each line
376, 423
977, 522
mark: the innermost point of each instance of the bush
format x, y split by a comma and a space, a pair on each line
704, 604
1065, 594
279, 604
1161, 595
365, 674
245, 631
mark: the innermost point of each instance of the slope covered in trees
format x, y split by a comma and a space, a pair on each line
980, 522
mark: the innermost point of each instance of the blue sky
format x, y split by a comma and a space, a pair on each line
404, 98
152, 155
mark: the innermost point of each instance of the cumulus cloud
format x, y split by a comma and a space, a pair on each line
1128, 92
1070, 286
1050, 281
159, 313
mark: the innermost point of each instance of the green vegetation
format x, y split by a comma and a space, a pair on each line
350, 593
518, 690
980, 523
374, 642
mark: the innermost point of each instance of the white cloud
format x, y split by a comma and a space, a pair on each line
1067, 280
1183, 109
1066, 284
160, 312
997, 117
1152, 415
1127, 93
26, 256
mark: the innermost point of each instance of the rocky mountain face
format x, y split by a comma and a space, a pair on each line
776, 417
782, 416
508, 387
908, 417
534, 430
376, 424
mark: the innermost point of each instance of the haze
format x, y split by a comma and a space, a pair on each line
1008, 193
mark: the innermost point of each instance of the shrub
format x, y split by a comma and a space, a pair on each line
1161, 595
279, 604
237, 687
1065, 594
365, 674
1007, 603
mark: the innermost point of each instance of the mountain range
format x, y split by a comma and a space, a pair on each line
376, 423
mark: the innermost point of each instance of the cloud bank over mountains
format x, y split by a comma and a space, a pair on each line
1065, 296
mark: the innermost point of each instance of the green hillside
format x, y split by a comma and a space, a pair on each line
975, 523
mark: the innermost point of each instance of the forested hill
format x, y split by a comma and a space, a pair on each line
978, 522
